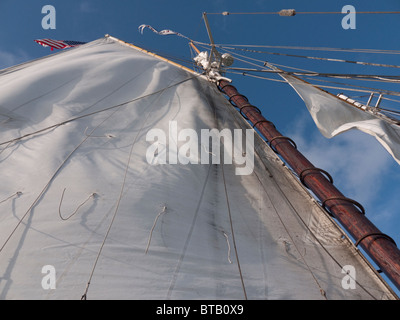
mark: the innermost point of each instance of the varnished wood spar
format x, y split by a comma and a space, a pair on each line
380, 247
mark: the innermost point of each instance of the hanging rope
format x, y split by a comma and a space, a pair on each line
73, 213
84, 296
229, 246
45, 188
152, 228
43, 191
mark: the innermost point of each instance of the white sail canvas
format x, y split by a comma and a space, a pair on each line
85, 213
333, 116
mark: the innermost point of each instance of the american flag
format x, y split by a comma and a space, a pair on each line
58, 44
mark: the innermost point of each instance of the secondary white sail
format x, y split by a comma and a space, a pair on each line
333, 116
84, 212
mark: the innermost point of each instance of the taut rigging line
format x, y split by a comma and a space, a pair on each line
292, 12
323, 59
385, 78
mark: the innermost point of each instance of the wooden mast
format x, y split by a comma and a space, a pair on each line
379, 246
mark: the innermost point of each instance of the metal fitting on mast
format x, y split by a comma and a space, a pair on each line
212, 63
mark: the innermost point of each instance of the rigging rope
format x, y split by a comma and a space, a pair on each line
293, 208
84, 296
229, 246
305, 73
322, 291
233, 234
189, 236
292, 12
357, 87
376, 78
323, 59
45, 188
93, 113
76, 210
353, 50
310, 231
310, 73
152, 228
18, 193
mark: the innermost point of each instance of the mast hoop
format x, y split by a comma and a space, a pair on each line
248, 105
221, 88
237, 95
379, 234
281, 137
264, 121
355, 203
302, 174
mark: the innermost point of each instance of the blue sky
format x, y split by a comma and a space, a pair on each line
361, 168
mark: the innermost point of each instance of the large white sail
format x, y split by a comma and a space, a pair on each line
84, 212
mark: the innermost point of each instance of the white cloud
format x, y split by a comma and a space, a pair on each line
87, 7
8, 59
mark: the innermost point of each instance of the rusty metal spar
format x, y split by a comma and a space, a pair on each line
379, 246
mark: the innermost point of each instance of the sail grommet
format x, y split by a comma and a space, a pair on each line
358, 205
379, 234
302, 174
281, 137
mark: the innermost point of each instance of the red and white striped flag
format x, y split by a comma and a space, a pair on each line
58, 44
